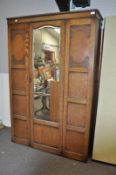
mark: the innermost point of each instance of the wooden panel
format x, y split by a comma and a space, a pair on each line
19, 53
19, 45
79, 80
78, 85
76, 114
21, 129
74, 142
46, 148
76, 156
78, 69
75, 128
20, 105
46, 135
19, 79
77, 44
57, 16
20, 117
77, 100
21, 140
46, 123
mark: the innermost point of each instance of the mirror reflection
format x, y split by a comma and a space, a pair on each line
46, 72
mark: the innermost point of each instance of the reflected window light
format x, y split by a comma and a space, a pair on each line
57, 30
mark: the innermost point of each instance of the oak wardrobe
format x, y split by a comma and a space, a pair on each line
54, 75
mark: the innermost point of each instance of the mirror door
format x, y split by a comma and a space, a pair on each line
47, 85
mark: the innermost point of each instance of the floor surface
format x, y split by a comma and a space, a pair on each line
22, 160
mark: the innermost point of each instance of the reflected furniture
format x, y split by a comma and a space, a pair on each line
65, 128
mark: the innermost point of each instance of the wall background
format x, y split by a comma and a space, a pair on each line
12, 8
105, 139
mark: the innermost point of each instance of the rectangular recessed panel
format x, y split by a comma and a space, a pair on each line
19, 105
21, 129
46, 135
19, 79
74, 142
76, 114
78, 85
80, 45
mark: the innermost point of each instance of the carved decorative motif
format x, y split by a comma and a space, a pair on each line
80, 36
84, 63
86, 29
17, 61
17, 32
22, 60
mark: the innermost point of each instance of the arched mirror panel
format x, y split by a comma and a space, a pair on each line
46, 72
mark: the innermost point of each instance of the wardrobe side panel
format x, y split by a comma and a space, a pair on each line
19, 46
79, 80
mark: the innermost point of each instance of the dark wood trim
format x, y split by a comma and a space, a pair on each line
56, 16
